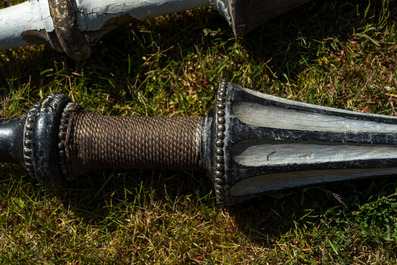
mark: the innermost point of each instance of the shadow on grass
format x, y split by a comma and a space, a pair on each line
91, 195
293, 40
270, 214
290, 212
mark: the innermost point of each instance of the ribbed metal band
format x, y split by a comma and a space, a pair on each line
27, 139
220, 128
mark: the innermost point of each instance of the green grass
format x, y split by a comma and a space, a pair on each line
333, 53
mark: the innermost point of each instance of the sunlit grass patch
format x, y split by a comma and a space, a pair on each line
333, 53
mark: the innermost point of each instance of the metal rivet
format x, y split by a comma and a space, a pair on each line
221, 127
219, 181
221, 113
62, 135
220, 135
218, 174
65, 115
221, 120
28, 135
220, 192
220, 106
27, 152
219, 167
29, 126
62, 127
222, 94
28, 143
219, 143
219, 151
64, 121
219, 159
218, 187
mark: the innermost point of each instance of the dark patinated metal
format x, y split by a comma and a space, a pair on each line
67, 36
67, 30
41, 141
11, 132
246, 15
32, 142
27, 140
213, 143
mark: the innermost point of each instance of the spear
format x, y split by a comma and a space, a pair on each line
248, 143
74, 26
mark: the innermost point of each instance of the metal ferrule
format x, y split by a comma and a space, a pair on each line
214, 143
40, 140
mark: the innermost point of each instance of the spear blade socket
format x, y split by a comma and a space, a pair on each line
256, 142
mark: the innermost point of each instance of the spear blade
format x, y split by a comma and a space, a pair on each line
248, 143
74, 26
268, 143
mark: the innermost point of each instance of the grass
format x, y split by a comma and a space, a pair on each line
332, 53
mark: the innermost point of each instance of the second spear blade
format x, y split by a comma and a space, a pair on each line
74, 26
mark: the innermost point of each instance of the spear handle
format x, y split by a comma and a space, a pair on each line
89, 141
57, 141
